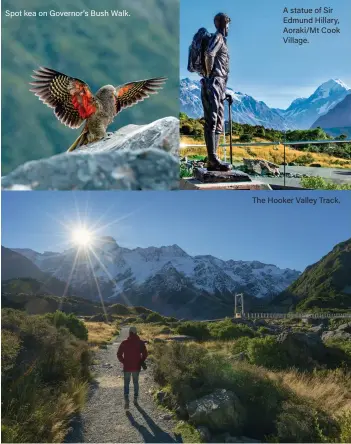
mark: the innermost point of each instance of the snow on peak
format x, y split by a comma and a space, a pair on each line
331, 86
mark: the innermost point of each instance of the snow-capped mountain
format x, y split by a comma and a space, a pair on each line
164, 278
337, 117
301, 114
304, 112
245, 108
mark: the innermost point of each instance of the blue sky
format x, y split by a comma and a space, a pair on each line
261, 64
224, 224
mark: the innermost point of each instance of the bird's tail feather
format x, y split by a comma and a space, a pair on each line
81, 140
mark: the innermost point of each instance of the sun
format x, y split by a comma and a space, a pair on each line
82, 237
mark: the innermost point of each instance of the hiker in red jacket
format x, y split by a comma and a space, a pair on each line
132, 354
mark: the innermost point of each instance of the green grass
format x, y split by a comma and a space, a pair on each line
188, 432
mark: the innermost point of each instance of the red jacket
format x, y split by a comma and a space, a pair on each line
131, 353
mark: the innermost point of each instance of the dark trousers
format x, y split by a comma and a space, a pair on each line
213, 97
135, 376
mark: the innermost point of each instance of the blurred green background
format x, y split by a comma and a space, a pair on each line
98, 50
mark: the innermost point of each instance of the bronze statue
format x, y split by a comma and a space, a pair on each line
214, 84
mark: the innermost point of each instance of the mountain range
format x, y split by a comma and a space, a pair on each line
166, 279
15, 265
303, 113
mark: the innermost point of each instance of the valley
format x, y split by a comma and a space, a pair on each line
278, 372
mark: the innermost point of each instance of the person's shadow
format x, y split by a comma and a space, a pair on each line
157, 434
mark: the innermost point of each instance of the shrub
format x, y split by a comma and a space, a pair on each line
298, 421
267, 353
345, 427
241, 345
154, 317
245, 138
119, 309
304, 159
191, 372
199, 330
71, 322
10, 347
227, 330
44, 379
318, 183
263, 331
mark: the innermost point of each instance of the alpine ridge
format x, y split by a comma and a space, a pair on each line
166, 278
301, 114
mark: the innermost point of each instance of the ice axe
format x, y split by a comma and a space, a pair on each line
229, 98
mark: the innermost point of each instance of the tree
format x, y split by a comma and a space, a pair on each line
245, 138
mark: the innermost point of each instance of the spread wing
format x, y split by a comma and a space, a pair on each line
131, 93
71, 98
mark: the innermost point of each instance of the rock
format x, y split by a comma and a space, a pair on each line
336, 334
302, 349
204, 433
345, 327
107, 365
260, 323
311, 321
182, 412
221, 410
261, 167
143, 316
134, 158
239, 356
317, 329
167, 416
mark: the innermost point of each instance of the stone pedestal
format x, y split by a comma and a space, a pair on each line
190, 183
205, 176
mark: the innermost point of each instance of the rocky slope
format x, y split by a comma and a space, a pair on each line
337, 117
165, 279
325, 284
136, 157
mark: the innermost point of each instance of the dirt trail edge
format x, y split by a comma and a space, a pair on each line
104, 418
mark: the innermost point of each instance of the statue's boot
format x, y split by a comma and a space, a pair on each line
213, 163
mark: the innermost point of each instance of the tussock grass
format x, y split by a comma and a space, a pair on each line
281, 405
149, 332
99, 333
272, 153
330, 390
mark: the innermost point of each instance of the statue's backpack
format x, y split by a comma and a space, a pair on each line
196, 60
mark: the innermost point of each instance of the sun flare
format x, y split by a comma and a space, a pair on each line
82, 237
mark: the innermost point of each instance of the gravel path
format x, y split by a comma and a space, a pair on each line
104, 418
